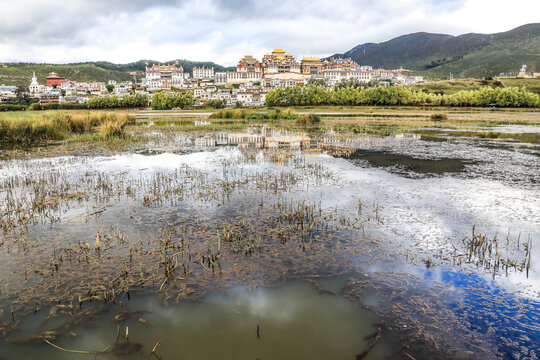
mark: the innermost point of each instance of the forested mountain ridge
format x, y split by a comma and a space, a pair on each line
468, 55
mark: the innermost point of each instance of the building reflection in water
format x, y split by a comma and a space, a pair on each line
264, 137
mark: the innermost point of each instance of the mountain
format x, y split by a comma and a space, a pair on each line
468, 55
21, 73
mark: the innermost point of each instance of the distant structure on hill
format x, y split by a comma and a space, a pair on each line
523, 71
34, 85
53, 79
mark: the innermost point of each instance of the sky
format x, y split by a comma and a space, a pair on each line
223, 31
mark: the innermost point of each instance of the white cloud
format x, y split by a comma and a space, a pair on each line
224, 30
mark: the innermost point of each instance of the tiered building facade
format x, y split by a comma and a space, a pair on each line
248, 69
280, 62
160, 77
311, 66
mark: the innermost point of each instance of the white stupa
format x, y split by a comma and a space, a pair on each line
34, 86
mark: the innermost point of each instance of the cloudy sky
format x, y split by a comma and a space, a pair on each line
224, 30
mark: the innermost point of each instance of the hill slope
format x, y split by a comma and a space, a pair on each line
21, 73
469, 55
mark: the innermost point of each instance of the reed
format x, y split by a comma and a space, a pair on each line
111, 129
485, 251
55, 125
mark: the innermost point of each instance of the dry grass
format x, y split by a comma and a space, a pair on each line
28, 128
114, 128
418, 117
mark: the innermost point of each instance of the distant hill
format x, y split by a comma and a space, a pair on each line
140, 65
469, 55
21, 73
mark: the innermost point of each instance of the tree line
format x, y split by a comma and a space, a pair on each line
398, 95
123, 101
106, 102
164, 101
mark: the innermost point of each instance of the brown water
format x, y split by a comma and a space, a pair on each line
295, 321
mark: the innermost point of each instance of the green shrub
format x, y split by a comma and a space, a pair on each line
115, 102
234, 114
163, 101
274, 114
12, 107
398, 96
307, 120
34, 107
58, 106
438, 117
216, 104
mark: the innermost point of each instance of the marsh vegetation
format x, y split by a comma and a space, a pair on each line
200, 232
28, 128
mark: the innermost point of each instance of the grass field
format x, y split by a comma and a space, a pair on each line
454, 86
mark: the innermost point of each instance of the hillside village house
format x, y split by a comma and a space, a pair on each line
49, 98
235, 77
220, 78
336, 77
203, 73
7, 93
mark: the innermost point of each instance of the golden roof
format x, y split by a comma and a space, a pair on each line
248, 58
54, 75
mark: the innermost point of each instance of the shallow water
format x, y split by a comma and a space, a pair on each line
390, 220
409, 164
290, 322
